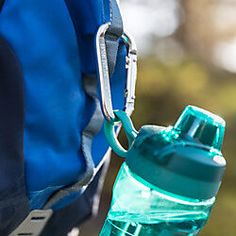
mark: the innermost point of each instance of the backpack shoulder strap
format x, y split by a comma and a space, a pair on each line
88, 35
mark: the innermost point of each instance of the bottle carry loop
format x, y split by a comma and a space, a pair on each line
109, 130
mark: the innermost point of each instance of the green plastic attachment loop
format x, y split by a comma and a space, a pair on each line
109, 130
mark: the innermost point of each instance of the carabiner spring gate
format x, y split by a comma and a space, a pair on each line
131, 66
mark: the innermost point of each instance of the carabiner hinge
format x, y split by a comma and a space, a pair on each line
131, 66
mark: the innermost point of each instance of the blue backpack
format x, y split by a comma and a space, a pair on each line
52, 145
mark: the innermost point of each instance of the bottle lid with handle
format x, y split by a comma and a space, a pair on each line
184, 159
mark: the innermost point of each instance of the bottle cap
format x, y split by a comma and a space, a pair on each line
185, 159
201, 125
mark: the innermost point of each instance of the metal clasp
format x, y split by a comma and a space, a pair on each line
131, 66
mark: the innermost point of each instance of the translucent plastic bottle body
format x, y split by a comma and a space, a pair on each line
140, 210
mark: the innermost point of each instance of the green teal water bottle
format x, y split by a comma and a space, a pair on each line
171, 175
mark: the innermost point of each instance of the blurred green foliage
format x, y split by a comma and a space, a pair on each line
162, 93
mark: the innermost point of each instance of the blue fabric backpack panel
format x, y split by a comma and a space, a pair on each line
51, 50
44, 40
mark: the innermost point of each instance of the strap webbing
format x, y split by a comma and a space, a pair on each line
87, 17
113, 35
33, 223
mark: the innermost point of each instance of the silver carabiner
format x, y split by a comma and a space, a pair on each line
131, 66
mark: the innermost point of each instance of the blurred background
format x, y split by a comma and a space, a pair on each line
187, 55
